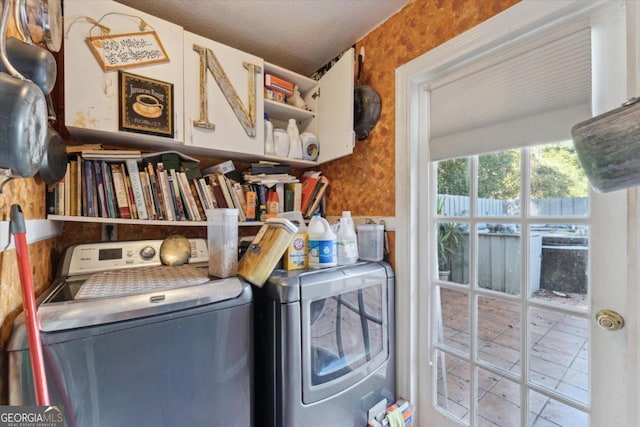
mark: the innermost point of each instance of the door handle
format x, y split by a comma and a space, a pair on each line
609, 320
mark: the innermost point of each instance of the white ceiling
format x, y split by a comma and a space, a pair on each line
300, 35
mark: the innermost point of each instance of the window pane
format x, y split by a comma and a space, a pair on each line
558, 349
500, 404
499, 258
453, 325
453, 187
544, 411
498, 332
559, 276
453, 388
453, 252
499, 184
559, 186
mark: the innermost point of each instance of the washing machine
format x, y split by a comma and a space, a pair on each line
325, 350
130, 342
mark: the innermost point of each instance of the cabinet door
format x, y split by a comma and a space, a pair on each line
335, 110
212, 120
91, 93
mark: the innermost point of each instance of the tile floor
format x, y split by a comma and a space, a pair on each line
558, 360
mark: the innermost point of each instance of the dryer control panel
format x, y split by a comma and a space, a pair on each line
95, 257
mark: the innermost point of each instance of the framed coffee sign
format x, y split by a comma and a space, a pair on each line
146, 105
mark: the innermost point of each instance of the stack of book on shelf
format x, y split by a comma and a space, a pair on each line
266, 177
276, 88
171, 186
130, 185
227, 189
314, 189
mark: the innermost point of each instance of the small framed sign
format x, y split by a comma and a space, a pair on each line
146, 105
118, 51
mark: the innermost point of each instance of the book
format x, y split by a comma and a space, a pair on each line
156, 192
146, 193
83, 188
175, 195
103, 211
239, 188
309, 181
111, 154
296, 189
207, 193
74, 149
167, 203
67, 190
237, 201
217, 191
90, 189
288, 200
110, 193
188, 197
73, 187
268, 168
136, 187
318, 196
60, 197
222, 180
130, 200
277, 83
78, 193
120, 190
195, 191
201, 191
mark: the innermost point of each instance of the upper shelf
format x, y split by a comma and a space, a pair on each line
282, 111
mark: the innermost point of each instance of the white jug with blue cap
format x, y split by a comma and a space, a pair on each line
323, 250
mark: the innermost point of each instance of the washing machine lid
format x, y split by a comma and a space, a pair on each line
131, 281
91, 311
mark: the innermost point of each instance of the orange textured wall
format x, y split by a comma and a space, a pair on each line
364, 183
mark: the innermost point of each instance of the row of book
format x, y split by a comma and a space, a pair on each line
171, 186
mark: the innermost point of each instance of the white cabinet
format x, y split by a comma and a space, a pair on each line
218, 92
330, 109
91, 93
223, 99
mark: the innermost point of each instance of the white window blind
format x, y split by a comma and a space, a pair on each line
530, 95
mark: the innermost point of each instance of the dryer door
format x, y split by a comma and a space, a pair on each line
345, 320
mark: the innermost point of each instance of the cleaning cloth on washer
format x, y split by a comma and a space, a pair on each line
130, 281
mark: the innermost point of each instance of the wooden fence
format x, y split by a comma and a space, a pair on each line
459, 206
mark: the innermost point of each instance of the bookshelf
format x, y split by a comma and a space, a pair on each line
73, 218
169, 188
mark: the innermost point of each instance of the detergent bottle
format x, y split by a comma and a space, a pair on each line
322, 244
347, 243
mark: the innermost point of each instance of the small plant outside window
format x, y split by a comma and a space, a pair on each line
449, 239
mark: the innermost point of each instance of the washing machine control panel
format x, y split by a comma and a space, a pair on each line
94, 257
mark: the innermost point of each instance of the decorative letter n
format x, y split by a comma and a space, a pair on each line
247, 119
